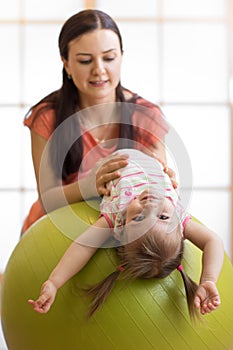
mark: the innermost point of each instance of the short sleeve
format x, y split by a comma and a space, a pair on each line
186, 219
41, 121
149, 123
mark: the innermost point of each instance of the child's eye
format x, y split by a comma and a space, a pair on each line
139, 217
163, 217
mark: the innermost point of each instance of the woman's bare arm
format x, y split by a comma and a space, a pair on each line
51, 191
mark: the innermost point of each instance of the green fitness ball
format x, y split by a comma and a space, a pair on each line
144, 315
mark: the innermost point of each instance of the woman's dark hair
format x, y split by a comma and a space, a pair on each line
65, 101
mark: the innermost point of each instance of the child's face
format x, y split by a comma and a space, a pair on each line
148, 204
146, 212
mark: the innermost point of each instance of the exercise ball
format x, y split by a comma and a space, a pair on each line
143, 315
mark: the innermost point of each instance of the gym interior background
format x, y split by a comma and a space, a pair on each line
178, 54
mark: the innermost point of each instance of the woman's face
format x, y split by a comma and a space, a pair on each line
94, 63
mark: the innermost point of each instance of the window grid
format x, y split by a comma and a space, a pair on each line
158, 19
230, 55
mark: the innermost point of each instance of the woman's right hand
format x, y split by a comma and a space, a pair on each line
105, 170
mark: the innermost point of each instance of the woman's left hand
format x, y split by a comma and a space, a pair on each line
170, 172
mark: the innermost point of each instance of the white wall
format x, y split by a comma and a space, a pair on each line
177, 57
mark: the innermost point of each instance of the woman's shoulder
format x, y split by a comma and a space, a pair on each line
140, 101
129, 95
148, 115
41, 119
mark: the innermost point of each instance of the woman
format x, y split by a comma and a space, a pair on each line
88, 118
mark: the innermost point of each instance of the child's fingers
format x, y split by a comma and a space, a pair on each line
32, 302
206, 309
203, 310
210, 306
213, 303
42, 300
216, 302
34, 305
197, 302
39, 302
40, 308
43, 309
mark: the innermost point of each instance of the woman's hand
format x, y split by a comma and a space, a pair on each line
170, 172
105, 170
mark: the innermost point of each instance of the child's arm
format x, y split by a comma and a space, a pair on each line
207, 296
74, 259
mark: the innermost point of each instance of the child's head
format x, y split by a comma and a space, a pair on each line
150, 213
154, 255
152, 248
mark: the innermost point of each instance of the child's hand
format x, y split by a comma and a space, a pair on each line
207, 297
46, 298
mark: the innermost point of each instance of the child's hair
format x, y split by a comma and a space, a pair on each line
149, 257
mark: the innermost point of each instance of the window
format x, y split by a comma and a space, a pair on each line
176, 55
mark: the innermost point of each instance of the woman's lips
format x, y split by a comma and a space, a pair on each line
98, 83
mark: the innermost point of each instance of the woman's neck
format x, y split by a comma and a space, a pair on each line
90, 101
99, 115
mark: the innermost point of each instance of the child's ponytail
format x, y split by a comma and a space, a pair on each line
190, 290
99, 292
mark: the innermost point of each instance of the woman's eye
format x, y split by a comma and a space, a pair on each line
139, 218
163, 217
108, 59
85, 62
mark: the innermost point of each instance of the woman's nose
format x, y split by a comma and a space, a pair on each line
98, 68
